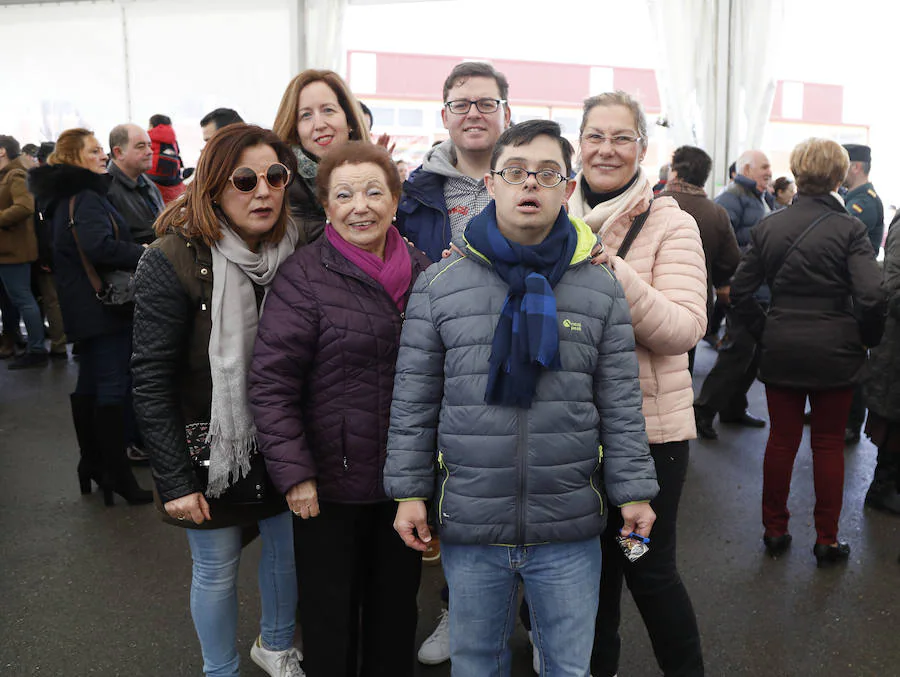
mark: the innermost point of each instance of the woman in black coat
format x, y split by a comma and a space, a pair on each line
72, 191
826, 310
882, 388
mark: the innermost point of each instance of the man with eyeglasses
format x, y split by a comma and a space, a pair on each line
517, 368
447, 191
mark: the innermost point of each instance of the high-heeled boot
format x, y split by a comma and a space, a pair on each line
90, 465
109, 421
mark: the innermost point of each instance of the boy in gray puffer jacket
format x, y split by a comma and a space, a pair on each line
516, 377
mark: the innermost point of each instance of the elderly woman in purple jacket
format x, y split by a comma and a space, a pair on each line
320, 389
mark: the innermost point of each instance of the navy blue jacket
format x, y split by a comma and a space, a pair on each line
744, 204
422, 215
53, 185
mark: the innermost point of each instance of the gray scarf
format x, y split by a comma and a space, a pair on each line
232, 433
307, 168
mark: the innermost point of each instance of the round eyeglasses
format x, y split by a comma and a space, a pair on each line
463, 106
548, 178
245, 179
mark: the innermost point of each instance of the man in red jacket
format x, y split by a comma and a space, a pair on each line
166, 169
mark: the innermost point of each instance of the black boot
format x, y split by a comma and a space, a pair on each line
883, 494
118, 477
90, 466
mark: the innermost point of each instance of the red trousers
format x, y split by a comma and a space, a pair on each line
829, 416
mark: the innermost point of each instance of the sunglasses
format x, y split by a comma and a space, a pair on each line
245, 179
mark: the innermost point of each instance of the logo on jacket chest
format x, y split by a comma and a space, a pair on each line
572, 326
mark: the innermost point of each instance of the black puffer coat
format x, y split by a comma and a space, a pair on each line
170, 365
882, 384
826, 298
53, 186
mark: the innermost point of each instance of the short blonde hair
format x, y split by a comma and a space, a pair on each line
819, 165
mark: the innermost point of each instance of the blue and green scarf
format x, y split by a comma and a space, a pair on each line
526, 339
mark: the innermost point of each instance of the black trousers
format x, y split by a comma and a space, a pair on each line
653, 580
725, 389
857, 410
357, 592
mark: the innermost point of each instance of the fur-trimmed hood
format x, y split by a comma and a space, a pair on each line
51, 184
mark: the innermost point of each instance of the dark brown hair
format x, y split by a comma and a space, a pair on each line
196, 213
357, 153
286, 119
475, 69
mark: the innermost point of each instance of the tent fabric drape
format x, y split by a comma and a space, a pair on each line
687, 36
323, 34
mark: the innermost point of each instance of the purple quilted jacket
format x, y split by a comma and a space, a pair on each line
323, 374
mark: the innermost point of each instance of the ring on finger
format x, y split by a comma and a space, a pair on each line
181, 518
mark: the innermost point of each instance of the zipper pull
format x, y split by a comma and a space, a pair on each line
202, 306
346, 464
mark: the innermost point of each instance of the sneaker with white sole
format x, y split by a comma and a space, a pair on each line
436, 649
535, 655
277, 663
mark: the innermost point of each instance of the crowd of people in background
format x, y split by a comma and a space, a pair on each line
307, 338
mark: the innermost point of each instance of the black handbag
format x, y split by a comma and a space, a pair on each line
112, 288
254, 487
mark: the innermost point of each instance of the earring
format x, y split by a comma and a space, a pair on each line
394, 219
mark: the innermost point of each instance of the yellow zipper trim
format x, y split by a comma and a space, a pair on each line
446, 472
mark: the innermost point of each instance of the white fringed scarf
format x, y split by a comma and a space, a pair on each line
607, 212
232, 433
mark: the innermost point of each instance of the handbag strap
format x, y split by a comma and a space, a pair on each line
89, 269
633, 232
790, 250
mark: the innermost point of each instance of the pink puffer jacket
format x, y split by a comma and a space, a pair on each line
664, 277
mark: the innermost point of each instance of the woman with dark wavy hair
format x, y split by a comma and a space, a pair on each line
199, 291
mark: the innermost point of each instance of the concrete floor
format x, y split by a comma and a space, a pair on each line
86, 590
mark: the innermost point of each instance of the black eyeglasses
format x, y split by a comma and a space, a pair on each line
245, 179
515, 176
463, 106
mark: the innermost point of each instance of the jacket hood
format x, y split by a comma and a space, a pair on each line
747, 183
14, 164
586, 241
52, 183
440, 160
162, 133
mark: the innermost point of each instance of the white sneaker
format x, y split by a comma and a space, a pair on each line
535, 655
277, 663
436, 649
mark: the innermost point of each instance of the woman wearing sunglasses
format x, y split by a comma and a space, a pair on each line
320, 387
664, 278
199, 290
317, 115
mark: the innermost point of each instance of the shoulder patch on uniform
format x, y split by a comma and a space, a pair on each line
872, 193
855, 207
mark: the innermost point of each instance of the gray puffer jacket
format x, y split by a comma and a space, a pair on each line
503, 475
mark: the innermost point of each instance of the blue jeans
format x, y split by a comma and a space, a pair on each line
214, 599
561, 585
16, 278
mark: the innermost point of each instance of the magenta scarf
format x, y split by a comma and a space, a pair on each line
394, 273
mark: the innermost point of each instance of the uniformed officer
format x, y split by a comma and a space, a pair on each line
861, 199
862, 202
